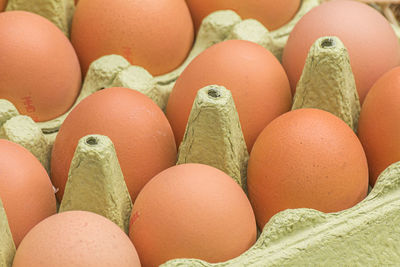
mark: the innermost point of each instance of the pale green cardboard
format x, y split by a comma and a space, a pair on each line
24, 131
327, 81
396, 30
7, 111
96, 183
139, 79
254, 31
213, 134
7, 246
60, 12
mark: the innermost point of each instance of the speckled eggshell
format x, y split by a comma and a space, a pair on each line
156, 35
273, 14
256, 79
143, 139
39, 69
370, 40
378, 126
25, 189
191, 211
306, 158
79, 239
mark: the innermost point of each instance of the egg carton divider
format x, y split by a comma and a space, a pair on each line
96, 183
327, 81
213, 134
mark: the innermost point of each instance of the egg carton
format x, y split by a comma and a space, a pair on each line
366, 234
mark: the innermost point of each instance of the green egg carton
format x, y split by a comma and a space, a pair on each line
367, 234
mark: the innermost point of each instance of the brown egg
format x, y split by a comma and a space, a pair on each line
79, 239
273, 14
191, 211
370, 40
258, 83
3, 4
156, 35
378, 127
141, 134
307, 158
40, 71
25, 189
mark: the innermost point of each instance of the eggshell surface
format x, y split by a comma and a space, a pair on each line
191, 211
156, 35
25, 189
256, 79
370, 40
271, 13
307, 158
39, 69
378, 127
79, 239
138, 128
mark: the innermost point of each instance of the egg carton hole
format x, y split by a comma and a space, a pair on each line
328, 43
92, 141
214, 93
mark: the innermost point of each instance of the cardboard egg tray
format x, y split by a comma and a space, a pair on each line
366, 234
